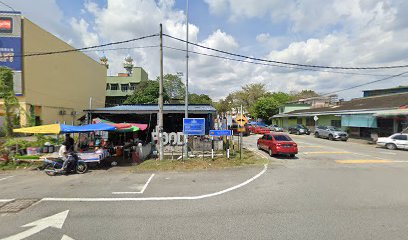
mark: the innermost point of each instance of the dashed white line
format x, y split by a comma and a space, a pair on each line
141, 191
158, 198
1, 179
6, 200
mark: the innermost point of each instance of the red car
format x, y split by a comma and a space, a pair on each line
278, 144
260, 130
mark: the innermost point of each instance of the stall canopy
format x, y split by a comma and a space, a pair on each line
62, 128
124, 127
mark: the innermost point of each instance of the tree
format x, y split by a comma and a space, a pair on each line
265, 107
146, 92
9, 98
304, 94
194, 98
174, 88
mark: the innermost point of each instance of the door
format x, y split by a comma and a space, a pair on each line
401, 141
262, 142
268, 142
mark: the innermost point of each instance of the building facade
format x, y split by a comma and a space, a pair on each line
50, 88
382, 115
120, 87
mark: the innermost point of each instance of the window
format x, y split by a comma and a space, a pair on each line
132, 86
321, 127
282, 138
400, 137
124, 87
336, 123
300, 121
269, 137
114, 86
107, 86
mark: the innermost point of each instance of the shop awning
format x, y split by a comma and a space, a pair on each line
359, 120
62, 128
44, 129
90, 128
392, 113
122, 126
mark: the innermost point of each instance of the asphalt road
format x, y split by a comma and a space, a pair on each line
332, 190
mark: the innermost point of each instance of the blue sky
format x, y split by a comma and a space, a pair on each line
354, 33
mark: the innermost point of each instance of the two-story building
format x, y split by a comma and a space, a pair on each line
120, 87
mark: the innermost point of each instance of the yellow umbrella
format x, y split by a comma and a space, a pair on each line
44, 129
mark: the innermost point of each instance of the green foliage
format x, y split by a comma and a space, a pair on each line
199, 99
146, 92
9, 98
21, 143
304, 94
269, 104
174, 88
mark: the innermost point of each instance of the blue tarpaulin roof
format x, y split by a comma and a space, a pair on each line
87, 128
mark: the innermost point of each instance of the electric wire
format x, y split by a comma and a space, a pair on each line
87, 48
286, 63
275, 65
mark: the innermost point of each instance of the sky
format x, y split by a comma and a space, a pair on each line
345, 33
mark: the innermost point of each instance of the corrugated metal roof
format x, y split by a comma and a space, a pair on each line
142, 108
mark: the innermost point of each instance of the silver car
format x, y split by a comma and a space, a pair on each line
275, 128
331, 133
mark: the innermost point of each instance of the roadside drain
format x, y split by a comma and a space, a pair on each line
17, 205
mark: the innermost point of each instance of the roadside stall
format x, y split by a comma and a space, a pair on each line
89, 156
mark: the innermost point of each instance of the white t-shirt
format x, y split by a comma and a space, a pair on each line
62, 150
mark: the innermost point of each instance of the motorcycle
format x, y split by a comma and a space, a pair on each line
54, 166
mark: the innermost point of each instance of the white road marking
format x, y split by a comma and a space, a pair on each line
141, 191
1, 179
55, 221
6, 200
158, 198
65, 237
391, 153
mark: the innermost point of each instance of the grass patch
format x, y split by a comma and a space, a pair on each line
198, 163
14, 165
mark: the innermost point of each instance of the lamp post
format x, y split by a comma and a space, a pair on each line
186, 97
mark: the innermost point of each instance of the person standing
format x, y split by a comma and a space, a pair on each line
69, 143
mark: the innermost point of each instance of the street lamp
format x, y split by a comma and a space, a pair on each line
186, 97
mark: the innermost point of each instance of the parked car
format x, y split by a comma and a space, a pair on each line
395, 141
275, 128
234, 129
298, 129
260, 130
277, 143
331, 133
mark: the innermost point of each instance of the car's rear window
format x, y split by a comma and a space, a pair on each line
282, 138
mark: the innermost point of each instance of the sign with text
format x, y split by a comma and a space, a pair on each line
194, 126
11, 46
218, 133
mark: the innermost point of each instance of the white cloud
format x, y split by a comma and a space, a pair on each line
262, 37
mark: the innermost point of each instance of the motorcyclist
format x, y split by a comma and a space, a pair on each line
63, 154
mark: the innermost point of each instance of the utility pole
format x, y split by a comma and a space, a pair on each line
90, 114
160, 116
186, 97
240, 136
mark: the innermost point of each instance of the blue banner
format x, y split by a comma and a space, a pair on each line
220, 133
10, 53
194, 126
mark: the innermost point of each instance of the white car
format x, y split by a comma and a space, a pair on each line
395, 141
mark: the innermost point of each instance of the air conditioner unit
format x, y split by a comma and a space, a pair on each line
62, 112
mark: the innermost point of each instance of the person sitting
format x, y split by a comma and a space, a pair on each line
69, 143
63, 154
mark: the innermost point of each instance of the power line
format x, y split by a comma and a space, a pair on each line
367, 83
287, 63
275, 65
111, 49
5, 4
87, 48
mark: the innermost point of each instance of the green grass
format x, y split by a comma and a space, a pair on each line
198, 163
14, 165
